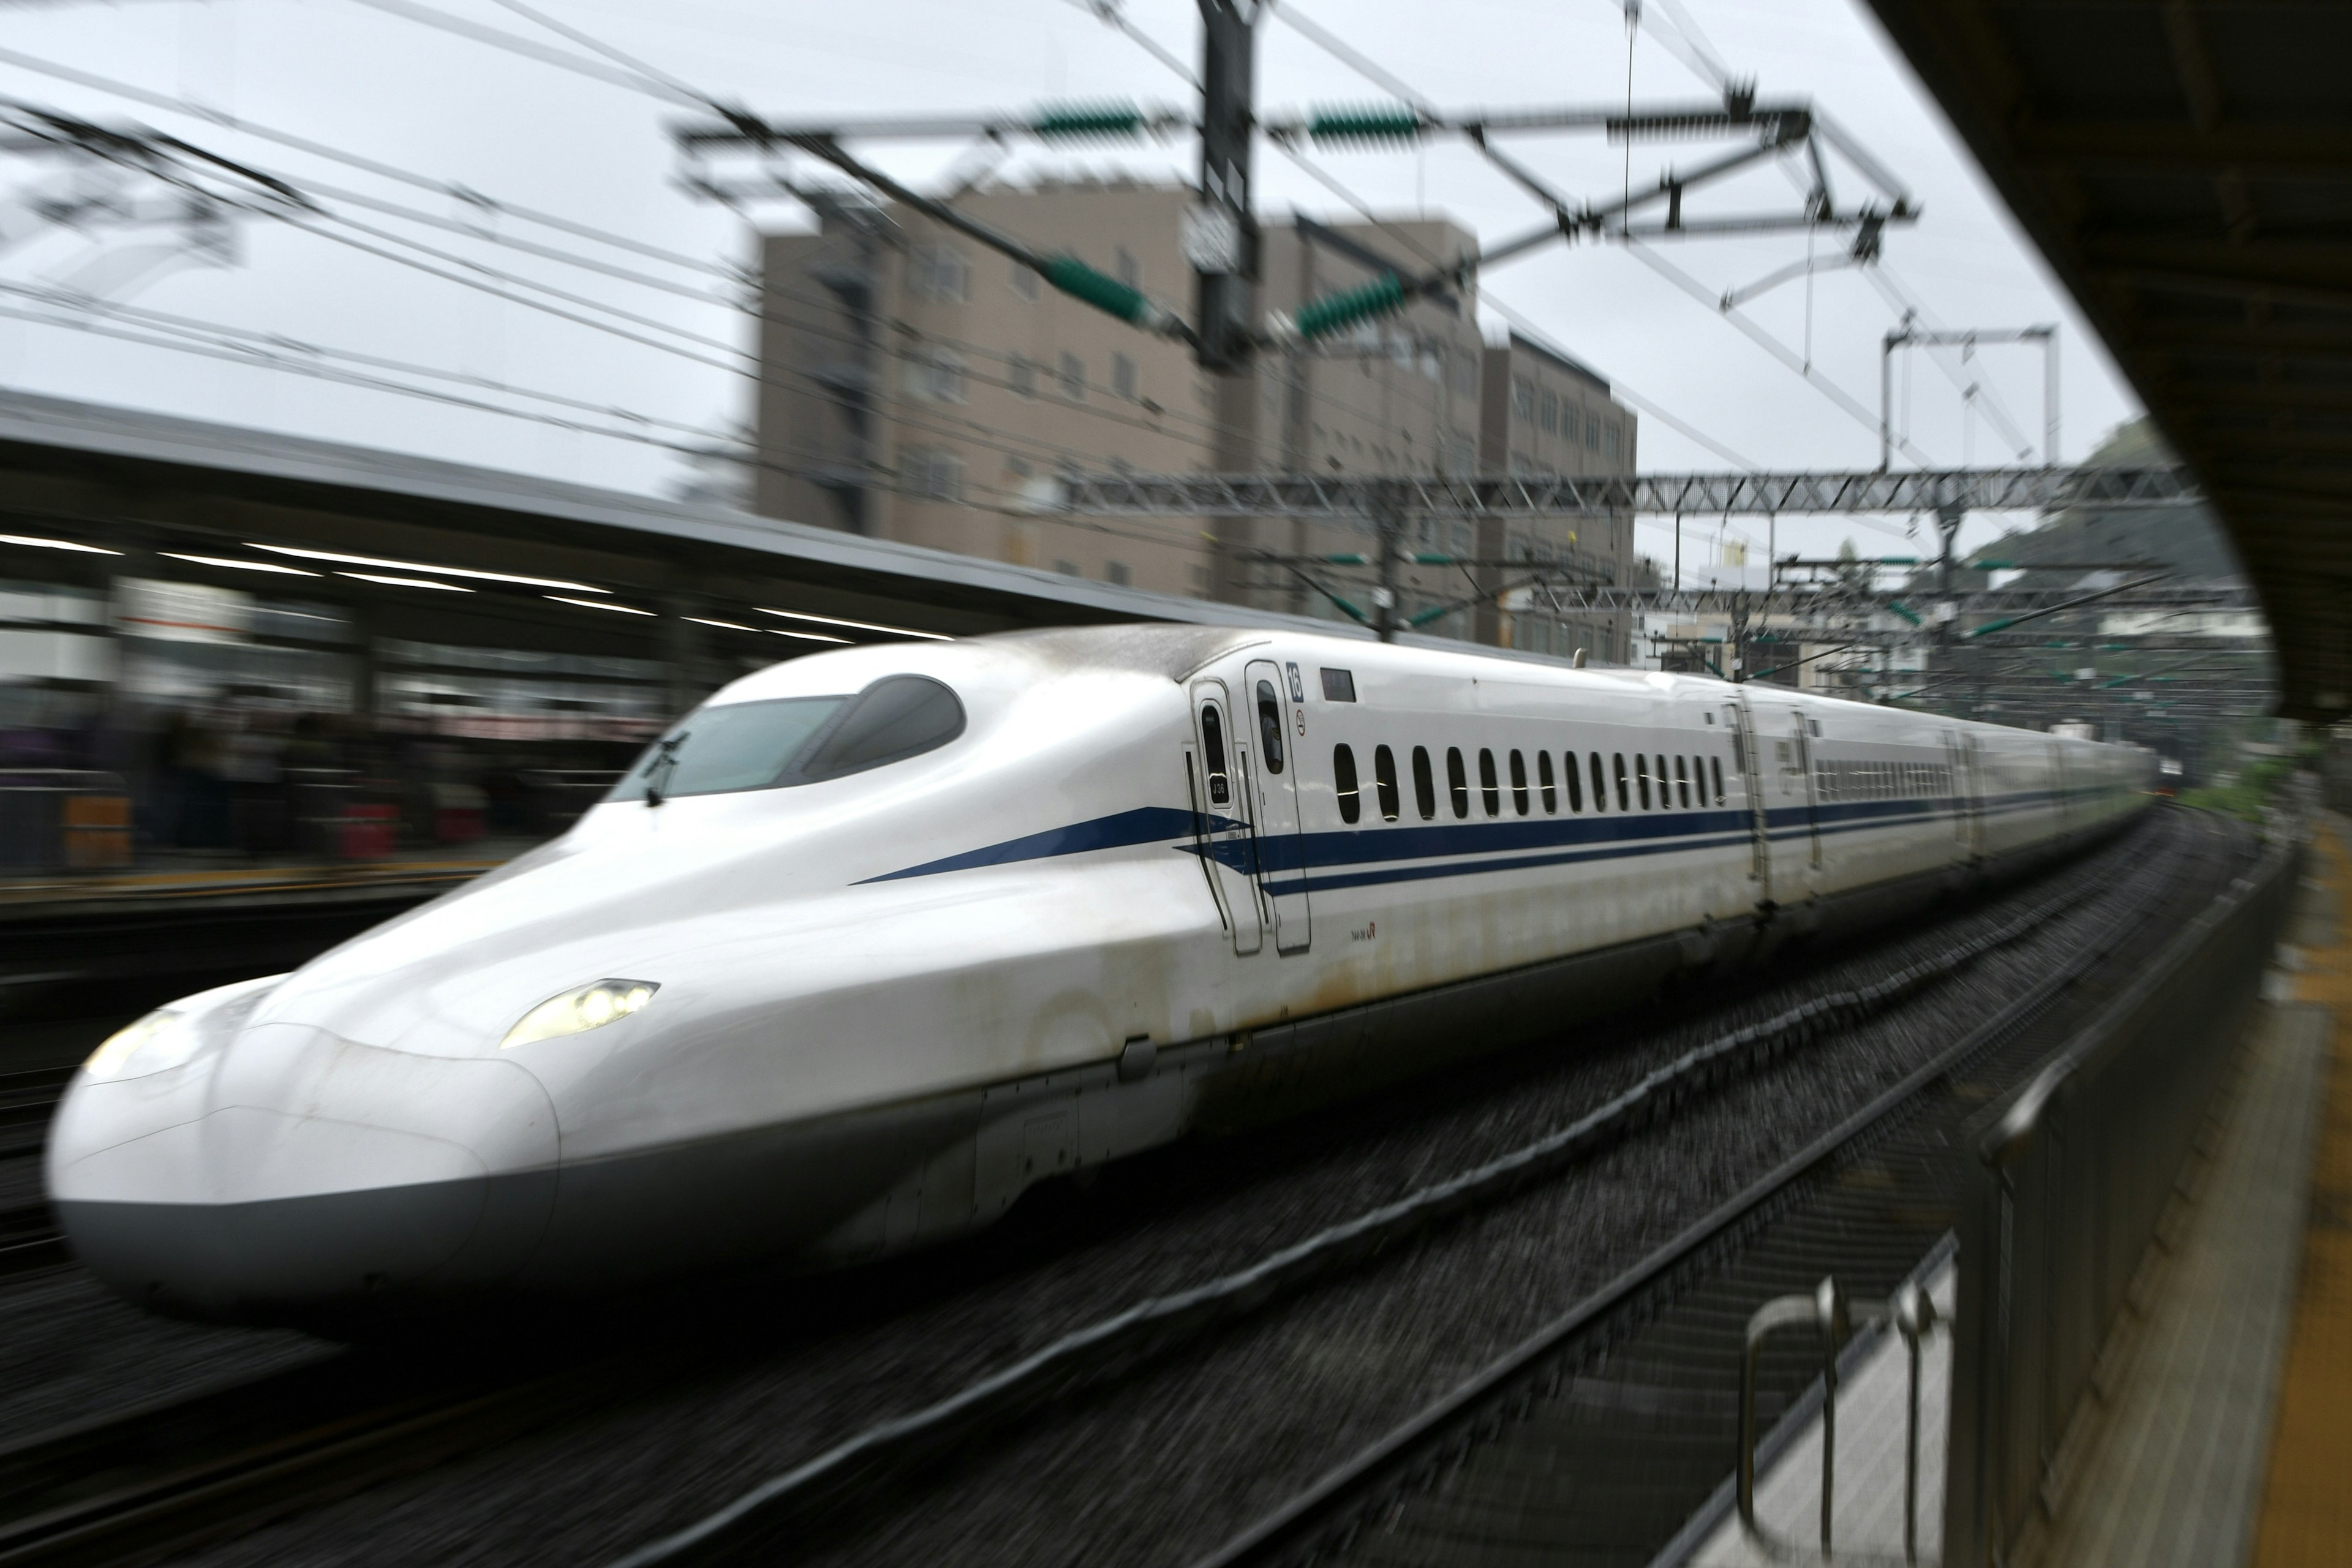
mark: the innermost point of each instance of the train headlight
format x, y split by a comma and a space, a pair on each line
163, 1038
577, 1011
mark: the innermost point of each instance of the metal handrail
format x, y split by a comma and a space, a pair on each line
1828, 1312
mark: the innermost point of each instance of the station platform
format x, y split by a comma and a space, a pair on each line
54, 895
2222, 1434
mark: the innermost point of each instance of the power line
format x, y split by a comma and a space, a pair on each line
634, 80
1110, 15
452, 189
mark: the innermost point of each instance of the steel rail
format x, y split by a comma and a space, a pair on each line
372, 1425
1413, 1456
837, 1479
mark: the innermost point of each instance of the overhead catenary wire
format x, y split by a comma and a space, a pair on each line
1111, 13
452, 189
630, 77
506, 281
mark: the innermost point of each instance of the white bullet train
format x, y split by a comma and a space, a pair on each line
875, 939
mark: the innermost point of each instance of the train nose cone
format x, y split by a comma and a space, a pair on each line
293, 1171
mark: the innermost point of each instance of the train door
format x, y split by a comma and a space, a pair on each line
1972, 796
1786, 751
1956, 796
1749, 765
1282, 849
1222, 812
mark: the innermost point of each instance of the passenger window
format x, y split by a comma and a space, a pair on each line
1624, 792
1269, 726
1544, 780
1682, 783
1488, 789
1213, 744
1575, 782
1425, 787
1457, 781
1714, 765
1665, 799
1519, 783
1343, 775
1385, 779
1642, 777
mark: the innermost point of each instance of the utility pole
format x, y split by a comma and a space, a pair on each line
1220, 238
1387, 525
1219, 242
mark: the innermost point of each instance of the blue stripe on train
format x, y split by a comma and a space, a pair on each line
1572, 839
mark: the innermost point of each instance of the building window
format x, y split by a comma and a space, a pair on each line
1023, 376
1129, 272
1069, 568
1025, 281
1466, 373
1119, 574
936, 375
1593, 431
1200, 581
1523, 398
939, 273
934, 473
1568, 422
1613, 440
1122, 376
1073, 378
1548, 413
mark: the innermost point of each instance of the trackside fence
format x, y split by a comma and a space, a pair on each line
2064, 1182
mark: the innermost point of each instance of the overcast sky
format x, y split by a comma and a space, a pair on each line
462, 114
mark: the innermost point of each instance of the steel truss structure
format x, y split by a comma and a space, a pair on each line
1941, 491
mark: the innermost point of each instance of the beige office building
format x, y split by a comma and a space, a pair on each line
917, 386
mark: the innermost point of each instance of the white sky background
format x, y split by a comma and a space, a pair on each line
528, 133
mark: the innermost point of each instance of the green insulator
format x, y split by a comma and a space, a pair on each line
1905, 611
1344, 604
1080, 281
1110, 119
1432, 558
1328, 315
1361, 123
1346, 559
1432, 613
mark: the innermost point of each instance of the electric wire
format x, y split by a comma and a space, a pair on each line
1111, 14
563, 59
452, 189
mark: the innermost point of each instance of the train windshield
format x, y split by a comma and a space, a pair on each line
796, 739
741, 746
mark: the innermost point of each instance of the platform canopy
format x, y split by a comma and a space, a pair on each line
2186, 167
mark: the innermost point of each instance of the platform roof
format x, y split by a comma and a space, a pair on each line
2186, 167
112, 476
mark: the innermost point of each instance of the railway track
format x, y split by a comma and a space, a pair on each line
1609, 1437
176, 1475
